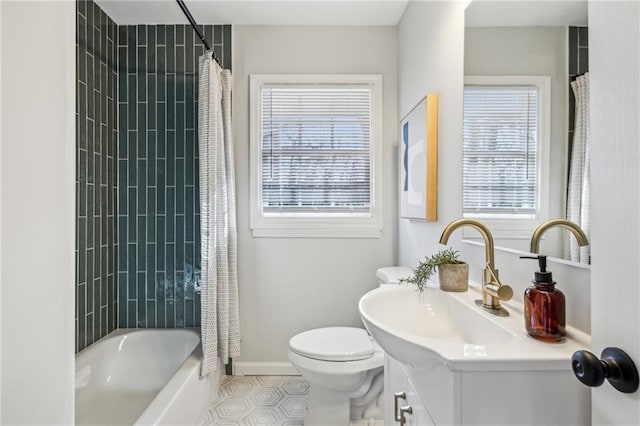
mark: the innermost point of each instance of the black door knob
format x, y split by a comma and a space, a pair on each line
615, 365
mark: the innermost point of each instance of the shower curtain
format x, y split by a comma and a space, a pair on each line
220, 324
579, 175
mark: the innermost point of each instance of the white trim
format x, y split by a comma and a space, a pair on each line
369, 226
519, 228
245, 368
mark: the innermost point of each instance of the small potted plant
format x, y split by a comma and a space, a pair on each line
452, 272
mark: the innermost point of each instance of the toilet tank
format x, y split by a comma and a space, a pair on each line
392, 274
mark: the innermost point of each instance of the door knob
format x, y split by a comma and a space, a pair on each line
615, 366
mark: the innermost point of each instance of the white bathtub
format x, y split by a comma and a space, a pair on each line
142, 377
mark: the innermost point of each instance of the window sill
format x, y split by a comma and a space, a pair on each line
321, 229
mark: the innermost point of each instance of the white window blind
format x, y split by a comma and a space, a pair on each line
316, 149
500, 150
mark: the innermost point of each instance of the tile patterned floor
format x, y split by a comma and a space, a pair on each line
259, 400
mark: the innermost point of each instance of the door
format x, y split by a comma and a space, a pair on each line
614, 63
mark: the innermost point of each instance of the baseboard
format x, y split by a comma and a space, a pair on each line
246, 368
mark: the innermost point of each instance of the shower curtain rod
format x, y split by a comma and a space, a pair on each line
197, 29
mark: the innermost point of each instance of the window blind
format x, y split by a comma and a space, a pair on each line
500, 147
316, 148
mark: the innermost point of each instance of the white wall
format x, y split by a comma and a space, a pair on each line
290, 285
614, 65
431, 43
531, 51
430, 59
38, 210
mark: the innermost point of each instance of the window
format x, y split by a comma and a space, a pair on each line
505, 151
315, 153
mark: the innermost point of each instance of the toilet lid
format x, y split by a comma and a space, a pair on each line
333, 344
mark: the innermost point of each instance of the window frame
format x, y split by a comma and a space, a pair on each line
305, 225
503, 226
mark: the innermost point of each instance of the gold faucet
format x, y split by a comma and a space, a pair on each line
563, 223
492, 289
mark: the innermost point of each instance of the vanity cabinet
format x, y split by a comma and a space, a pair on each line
397, 380
439, 396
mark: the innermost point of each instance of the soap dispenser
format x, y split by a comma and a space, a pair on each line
544, 306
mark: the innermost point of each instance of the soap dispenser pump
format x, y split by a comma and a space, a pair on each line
544, 305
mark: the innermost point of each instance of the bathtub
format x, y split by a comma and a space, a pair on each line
142, 377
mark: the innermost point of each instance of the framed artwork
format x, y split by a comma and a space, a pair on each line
419, 161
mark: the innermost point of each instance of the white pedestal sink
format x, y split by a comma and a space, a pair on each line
470, 367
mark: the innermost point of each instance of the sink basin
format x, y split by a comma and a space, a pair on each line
420, 328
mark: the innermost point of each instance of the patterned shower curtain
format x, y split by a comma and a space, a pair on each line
579, 175
220, 323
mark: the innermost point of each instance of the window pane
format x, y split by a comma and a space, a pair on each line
316, 148
500, 142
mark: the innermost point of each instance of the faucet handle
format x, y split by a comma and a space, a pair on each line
500, 291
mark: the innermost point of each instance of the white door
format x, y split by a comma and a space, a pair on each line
614, 67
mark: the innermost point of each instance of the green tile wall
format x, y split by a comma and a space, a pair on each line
158, 201
578, 65
96, 140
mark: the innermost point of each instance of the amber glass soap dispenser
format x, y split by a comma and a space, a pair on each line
544, 306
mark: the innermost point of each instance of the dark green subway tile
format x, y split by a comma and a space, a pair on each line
141, 243
132, 313
188, 51
161, 242
132, 148
171, 102
179, 58
189, 213
151, 314
170, 62
217, 34
151, 104
226, 43
133, 212
142, 130
171, 214
142, 34
142, 187
170, 318
122, 192
90, 213
82, 251
122, 237
180, 131
160, 34
179, 242
132, 267
170, 269
190, 111
179, 32
179, 186
132, 99
189, 320
208, 34
142, 74
122, 134
583, 60
161, 64
142, 304
180, 88
189, 156
162, 129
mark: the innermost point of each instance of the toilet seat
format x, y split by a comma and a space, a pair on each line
336, 344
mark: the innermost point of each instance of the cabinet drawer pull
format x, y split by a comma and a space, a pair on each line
405, 410
396, 397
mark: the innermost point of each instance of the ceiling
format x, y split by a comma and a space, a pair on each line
502, 13
479, 13
257, 12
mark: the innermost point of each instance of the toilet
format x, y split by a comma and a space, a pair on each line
344, 367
